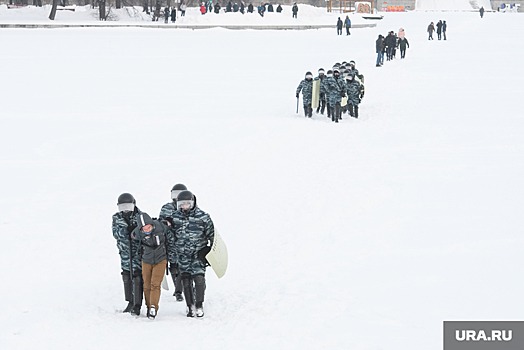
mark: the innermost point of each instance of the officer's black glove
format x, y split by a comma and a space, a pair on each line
297, 94
343, 94
202, 254
168, 222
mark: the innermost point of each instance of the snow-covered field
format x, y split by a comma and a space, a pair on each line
362, 235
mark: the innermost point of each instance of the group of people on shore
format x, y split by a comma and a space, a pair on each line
176, 242
170, 13
340, 90
208, 7
388, 45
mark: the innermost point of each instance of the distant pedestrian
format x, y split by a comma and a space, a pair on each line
347, 23
279, 8
173, 15
203, 9
270, 7
431, 29
294, 9
339, 26
402, 45
444, 28
250, 8
183, 8
439, 30
379, 46
166, 15
481, 11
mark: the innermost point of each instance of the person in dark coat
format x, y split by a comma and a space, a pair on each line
444, 28
270, 8
279, 8
217, 8
481, 11
235, 7
390, 42
347, 23
439, 30
229, 7
250, 8
173, 15
431, 29
157, 244
402, 44
379, 46
242, 7
339, 26
166, 14
294, 9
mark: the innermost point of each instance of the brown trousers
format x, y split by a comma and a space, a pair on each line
153, 275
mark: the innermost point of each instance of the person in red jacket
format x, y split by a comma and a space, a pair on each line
203, 9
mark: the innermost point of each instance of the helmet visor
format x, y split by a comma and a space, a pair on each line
175, 193
185, 204
126, 207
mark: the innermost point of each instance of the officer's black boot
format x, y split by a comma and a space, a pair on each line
128, 290
200, 288
356, 111
138, 293
187, 282
177, 282
351, 113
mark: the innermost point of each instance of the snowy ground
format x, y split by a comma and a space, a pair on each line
364, 235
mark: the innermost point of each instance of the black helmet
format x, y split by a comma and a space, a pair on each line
176, 190
185, 201
179, 187
126, 198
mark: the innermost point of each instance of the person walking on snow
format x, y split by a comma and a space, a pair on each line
339, 26
431, 29
481, 11
439, 30
322, 99
306, 86
355, 93
124, 222
402, 44
194, 235
166, 214
347, 23
294, 9
379, 47
444, 28
158, 247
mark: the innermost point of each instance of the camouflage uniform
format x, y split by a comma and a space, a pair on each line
130, 260
322, 101
336, 87
126, 246
194, 231
167, 211
355, 92
307, 95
